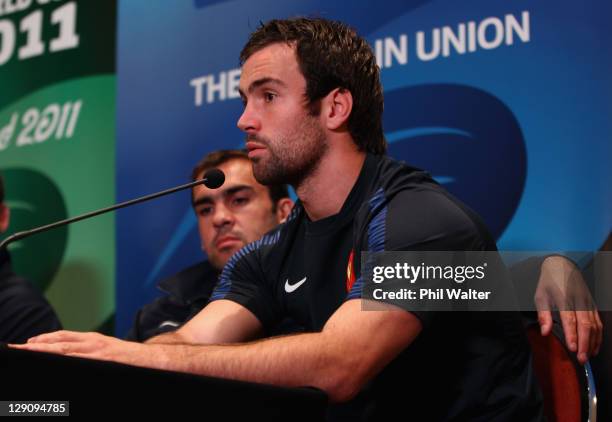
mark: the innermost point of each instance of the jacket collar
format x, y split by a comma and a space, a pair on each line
195, 282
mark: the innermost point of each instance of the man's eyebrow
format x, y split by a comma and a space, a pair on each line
236, 189
202, 200
208, 199
259, 82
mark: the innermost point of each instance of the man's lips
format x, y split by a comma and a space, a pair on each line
226, 241
254, 147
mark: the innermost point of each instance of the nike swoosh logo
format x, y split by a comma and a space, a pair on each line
289, 288
169, 324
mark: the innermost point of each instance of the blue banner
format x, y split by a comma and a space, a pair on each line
506, 103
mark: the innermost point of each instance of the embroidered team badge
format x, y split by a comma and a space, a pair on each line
350, 272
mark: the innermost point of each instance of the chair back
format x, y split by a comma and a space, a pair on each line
568, 388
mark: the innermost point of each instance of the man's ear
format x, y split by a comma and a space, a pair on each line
283, 208
4, 218
337, 107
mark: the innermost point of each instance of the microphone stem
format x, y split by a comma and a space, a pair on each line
21, 235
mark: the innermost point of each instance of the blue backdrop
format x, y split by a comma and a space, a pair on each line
506, 103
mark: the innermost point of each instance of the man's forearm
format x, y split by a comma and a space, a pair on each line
312, 359
290, 361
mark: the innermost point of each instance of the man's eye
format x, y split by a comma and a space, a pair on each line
269, 97
204, 211
240, 201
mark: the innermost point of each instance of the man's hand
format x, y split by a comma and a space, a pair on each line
88, 345
562, 286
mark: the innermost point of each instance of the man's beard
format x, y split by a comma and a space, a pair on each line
292, 159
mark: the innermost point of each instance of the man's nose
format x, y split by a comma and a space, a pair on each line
248, 121
222, 216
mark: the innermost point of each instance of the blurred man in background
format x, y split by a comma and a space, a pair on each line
24, 311
239, 212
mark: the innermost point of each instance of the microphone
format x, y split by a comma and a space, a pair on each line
212, 179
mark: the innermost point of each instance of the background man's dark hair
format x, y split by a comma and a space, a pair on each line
331, 55
216, 158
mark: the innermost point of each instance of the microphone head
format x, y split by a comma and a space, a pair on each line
213, 178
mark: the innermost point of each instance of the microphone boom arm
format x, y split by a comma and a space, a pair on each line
26, 233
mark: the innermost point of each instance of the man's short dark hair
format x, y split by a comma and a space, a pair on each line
216, 158
331, 55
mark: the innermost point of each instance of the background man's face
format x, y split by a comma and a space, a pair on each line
285, 143
237, 213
